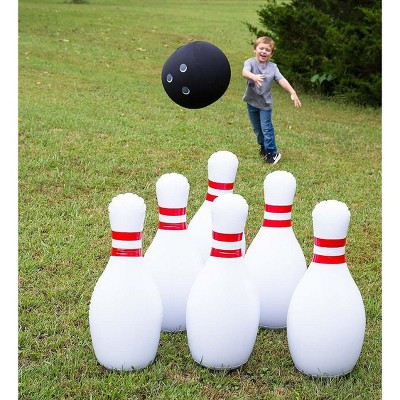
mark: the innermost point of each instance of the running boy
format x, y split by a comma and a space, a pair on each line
260, 72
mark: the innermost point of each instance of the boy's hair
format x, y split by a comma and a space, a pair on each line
266, 40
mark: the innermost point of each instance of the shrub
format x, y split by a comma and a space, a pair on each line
329, 46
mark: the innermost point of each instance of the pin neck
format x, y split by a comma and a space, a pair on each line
216, 189
226, 245
172, 219
277, 216
126, 244
329, 251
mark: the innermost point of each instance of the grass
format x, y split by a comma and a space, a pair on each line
94, 121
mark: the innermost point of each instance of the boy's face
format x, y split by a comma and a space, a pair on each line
263, 52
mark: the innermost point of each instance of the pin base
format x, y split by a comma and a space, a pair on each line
273, 327
219, 368
324, 376
173, 330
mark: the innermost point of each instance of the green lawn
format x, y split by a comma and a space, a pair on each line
94, 121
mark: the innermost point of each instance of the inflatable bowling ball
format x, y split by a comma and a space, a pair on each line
196, 75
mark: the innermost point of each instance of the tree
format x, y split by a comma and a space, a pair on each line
333, 47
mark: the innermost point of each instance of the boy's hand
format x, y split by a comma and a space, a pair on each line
296, 100
258, 79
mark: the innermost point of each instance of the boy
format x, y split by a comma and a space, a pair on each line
260, 73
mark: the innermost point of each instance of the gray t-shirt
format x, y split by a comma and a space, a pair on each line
261, 97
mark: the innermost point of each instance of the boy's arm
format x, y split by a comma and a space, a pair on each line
256, 78
288, 87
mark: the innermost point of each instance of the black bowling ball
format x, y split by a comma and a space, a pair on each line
196, 75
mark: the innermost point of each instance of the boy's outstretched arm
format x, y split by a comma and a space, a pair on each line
293, 95
257, 79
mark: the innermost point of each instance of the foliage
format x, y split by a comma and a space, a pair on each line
331, 46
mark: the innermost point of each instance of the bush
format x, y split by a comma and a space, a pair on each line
329, 46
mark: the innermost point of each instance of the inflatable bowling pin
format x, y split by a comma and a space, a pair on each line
222, 168
125, 309
274, 257
326, 317
172, 258
223, 308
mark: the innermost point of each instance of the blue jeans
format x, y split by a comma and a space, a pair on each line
263, 128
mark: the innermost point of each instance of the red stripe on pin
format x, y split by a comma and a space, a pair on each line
320, 259
126, 235
172, 226
278, 209
220, 185
226, 253
211, 197
331, 243
227, 237
126, 252
172, 211
280, 223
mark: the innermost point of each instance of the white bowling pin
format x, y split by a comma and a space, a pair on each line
172, 258
274, 257
223, 308
222, 168
326, 317
125, 309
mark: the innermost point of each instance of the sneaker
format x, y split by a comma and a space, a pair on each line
262, 151
273, 158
